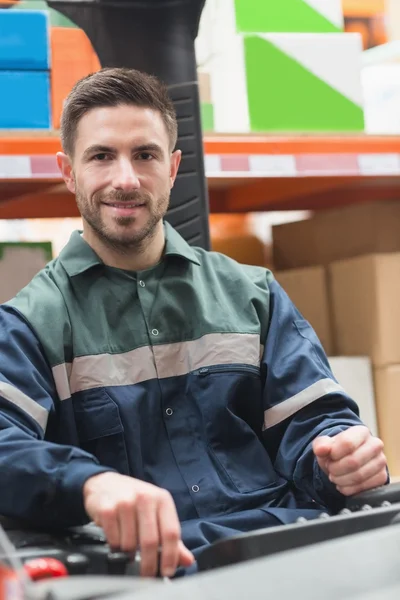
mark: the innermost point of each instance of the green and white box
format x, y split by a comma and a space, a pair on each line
222, 19
288, 83
285, 16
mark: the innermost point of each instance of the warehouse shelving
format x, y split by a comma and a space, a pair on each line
244, 172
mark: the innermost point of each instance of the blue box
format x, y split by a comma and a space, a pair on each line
24, 40
25, 100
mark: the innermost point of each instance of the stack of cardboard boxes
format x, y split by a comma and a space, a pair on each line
342, 269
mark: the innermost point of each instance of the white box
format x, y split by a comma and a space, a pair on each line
354, 374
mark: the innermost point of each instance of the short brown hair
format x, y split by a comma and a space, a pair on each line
114, 87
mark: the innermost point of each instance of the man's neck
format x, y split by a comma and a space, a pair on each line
133, 259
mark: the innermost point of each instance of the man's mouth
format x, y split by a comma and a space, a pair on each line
124, 204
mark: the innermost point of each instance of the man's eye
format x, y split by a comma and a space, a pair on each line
101, 156
145, 156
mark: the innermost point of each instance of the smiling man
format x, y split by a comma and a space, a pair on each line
122, 178
167, 393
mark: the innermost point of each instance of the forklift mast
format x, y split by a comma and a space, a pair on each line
158, 37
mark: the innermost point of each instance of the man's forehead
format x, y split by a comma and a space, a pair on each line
122, 123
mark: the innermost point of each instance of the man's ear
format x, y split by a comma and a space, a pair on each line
175, 162
65, 165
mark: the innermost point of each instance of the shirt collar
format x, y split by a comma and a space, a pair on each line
175, 245
77, 256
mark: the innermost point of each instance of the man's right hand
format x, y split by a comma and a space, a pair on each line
135, 514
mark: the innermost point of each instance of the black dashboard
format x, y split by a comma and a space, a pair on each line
355, 554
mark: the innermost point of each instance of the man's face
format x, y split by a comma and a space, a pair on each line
122, 173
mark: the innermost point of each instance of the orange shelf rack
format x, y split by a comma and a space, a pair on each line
245, 173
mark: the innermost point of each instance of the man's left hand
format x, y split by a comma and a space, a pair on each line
353, 460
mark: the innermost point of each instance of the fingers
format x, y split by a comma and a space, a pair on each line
368, 471
170, 533
358, 459
347, 442
128, 527
186, 558
377, 481
322, 446
322, 449
324, 464
149, 538
135, 514
108, 520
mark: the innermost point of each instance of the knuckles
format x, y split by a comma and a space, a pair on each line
353, 463
107, 512
377, 445
171, 534
149, 543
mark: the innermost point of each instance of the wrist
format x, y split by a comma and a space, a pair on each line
94, 481
327, 491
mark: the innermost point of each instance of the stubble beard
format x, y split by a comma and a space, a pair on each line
120, 241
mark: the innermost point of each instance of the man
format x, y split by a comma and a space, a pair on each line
169, 394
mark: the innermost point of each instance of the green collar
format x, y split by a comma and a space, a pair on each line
175, 245
77, 256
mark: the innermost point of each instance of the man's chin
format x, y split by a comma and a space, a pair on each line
125, 237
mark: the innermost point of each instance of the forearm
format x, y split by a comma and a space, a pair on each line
295, 459
41, 482
302, 400
309, 477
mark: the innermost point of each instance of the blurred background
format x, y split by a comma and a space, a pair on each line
300, 113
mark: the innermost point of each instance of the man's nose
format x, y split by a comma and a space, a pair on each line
125, 178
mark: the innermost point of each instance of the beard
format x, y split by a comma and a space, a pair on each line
120, 233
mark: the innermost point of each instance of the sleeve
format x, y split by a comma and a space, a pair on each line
302, 400
40, 481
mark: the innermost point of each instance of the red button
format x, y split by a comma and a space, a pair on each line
45, 568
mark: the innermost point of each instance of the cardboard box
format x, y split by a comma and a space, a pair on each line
365, 299
245, 248
387, 387
350, 231
307, 288
294, 245
19, 263
355, 375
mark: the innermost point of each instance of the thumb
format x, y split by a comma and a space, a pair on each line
186, 558
322, 446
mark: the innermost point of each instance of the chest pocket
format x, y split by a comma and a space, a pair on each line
100, 429
230, 399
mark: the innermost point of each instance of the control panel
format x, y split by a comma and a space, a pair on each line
77, 551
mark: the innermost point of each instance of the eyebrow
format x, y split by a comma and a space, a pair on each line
149, 148
99, 149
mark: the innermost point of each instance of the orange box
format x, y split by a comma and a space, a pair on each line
72, 57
